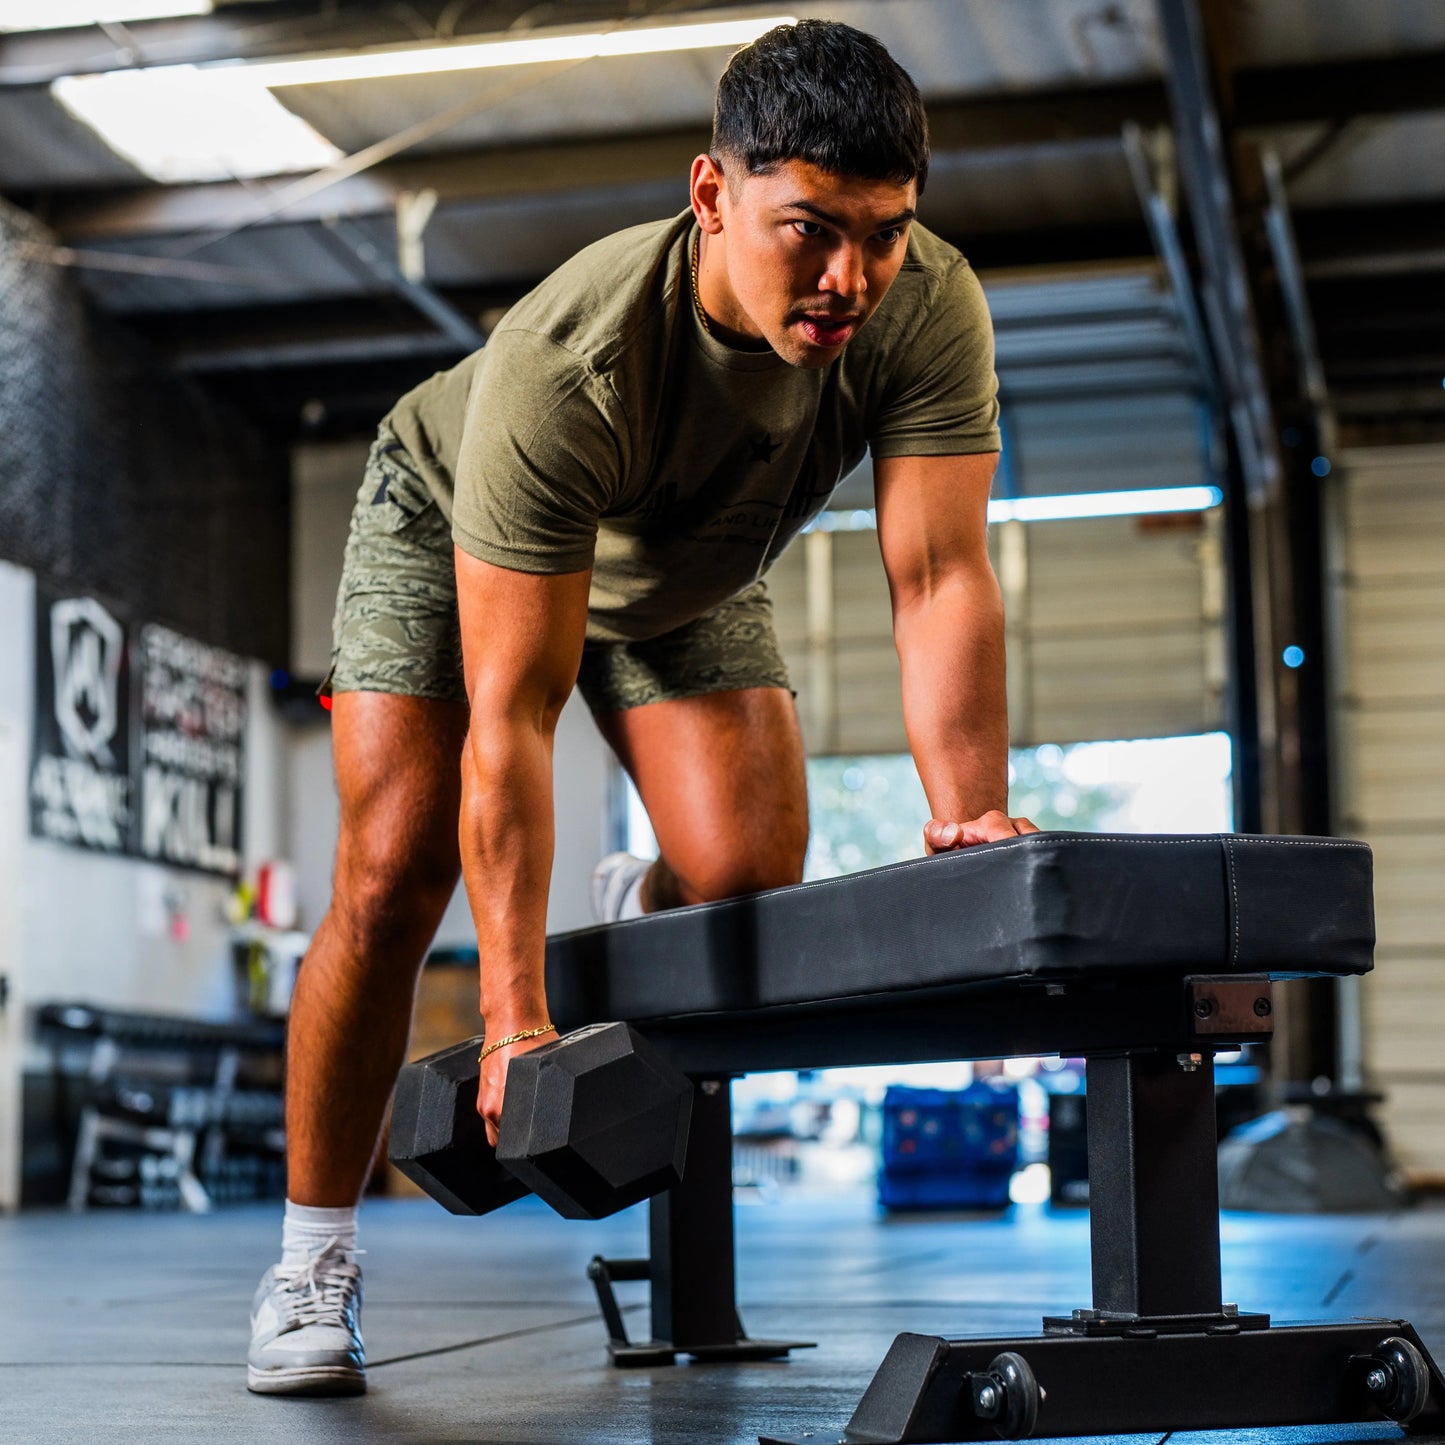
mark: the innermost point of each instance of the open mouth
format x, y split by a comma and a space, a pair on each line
828, 330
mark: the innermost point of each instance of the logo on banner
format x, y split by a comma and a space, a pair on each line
80, 787
86, 645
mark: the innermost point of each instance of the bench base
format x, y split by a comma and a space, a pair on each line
664, 1352
936, 1390
722, 1340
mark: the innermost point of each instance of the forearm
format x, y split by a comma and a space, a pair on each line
951, 647
506, 837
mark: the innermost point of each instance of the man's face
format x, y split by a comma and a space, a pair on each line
809, 255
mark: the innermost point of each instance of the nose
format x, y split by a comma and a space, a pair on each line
845, 276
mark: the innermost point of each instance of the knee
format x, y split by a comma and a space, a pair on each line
777, 864
383, 896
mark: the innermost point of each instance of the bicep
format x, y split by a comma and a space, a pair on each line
522, 636
932, 520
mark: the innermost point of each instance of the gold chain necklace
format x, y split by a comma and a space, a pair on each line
696, 298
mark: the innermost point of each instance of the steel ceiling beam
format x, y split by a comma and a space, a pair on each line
457, 177
996, 123
304, 353
1226, 295
1378, 239
450, 322
1289, 276
1336, 90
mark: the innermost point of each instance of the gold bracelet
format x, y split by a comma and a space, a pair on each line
515, 1039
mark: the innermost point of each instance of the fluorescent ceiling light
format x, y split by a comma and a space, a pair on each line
175, 124
532, 50
1053, 509
215, 122
64, 14
1104, 504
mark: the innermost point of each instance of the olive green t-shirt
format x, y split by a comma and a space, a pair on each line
602, 426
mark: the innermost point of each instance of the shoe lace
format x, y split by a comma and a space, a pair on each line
319, 1292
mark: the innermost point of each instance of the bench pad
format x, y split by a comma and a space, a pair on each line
1050, 907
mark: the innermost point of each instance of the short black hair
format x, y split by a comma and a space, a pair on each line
822, 92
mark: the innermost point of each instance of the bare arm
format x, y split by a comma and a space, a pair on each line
522, 638
948, 628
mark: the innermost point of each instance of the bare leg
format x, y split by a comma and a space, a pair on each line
723, 780
398, 771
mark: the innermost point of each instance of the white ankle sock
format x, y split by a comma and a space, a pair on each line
308, 1228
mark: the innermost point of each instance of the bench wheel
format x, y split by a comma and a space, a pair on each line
1398, 1378
1009, 1395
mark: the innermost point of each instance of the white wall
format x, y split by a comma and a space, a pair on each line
16, 626
325, 477
95, 927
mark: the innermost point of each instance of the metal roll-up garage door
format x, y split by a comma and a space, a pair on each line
1390, 714
1114, 631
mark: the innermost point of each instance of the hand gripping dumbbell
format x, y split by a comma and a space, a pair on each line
591, 1123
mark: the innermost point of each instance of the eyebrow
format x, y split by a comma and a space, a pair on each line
898, 220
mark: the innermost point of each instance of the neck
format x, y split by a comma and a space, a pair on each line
714, 296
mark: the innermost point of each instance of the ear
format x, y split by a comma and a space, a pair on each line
707, 186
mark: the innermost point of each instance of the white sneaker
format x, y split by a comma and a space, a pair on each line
306, 1327
613, 881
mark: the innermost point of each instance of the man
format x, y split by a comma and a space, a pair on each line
592, 500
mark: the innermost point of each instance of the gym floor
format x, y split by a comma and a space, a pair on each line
122, 1326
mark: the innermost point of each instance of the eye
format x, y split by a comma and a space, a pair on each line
810, 229
891, 236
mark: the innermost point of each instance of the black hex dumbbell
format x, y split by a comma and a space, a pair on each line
592, 1122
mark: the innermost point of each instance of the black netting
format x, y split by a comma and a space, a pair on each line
121, 478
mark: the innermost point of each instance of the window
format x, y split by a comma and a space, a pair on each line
868, 811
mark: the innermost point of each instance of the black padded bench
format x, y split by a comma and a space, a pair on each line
1142, 954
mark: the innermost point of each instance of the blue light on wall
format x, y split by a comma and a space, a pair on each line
1292, 656
1320, 466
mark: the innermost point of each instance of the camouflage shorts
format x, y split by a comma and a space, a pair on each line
396, 627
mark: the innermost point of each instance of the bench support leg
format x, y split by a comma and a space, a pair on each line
1158, 1351
1153, 1185
691, 1269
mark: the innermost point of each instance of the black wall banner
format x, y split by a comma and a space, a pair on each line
193, 729
139, 739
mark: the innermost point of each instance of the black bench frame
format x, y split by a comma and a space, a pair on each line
1158, 1349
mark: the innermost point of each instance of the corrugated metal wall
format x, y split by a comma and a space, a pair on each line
1114, 630
1106, 444
1390, 708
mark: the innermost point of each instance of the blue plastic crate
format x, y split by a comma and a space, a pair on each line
948, 1149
